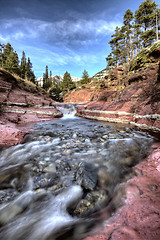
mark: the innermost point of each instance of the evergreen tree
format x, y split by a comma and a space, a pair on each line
23, 66
7, 50
146, 18
67, 83
50, 75
114, 56
56, 91
12, 63
137, 44
46, 74
127, 20
85, 77
1, 54
10, 59
45, 77
29, 73
138, 31
157, 24
47, 81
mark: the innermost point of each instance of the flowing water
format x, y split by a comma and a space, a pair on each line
54, 184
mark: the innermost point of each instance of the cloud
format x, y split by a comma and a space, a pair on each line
67, 32
57, 58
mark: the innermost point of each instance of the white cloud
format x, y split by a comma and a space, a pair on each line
62, 45
64, 58
4, 39
69, 32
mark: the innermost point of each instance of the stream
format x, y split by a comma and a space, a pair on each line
56, 182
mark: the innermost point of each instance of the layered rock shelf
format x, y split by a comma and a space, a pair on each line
21, 103
149, 122
136, 103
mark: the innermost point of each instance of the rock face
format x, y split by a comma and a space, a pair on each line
138, 219
137, 104
21, 103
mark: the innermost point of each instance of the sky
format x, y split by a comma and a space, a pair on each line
66, 35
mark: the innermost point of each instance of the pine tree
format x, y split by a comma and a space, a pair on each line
146, 18
47, 81
138, 31
7, 50
122, 46
157, 24
116, 43
10, 60
67, 83
45, 77
29, 73
1, 54
127, 20
137, 44
50, 75
23, 65
12, 63
56, 91
85, 77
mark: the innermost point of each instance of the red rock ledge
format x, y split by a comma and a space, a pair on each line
15, 122
149, 121
139, 218
21, 103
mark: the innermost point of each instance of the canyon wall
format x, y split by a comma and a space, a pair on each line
135, 100
21, 103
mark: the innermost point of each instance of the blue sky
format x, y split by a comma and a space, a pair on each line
66, 35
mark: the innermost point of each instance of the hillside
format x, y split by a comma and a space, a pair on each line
21, 102
125, 95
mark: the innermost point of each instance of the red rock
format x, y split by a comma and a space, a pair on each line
139, 218
21, 103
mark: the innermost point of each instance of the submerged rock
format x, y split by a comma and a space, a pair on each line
86, 175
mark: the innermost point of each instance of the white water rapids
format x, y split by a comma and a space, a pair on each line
68, 110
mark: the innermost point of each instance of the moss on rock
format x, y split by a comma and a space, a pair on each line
145, 57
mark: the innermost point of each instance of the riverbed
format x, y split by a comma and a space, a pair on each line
54, 184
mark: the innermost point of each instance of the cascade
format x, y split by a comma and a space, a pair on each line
68, 110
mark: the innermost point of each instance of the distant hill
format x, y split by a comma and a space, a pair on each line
58, 78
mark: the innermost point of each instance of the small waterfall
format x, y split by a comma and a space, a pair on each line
68, 110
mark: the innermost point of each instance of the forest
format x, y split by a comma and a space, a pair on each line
9, 60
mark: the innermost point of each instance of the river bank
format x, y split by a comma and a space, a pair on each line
139, 218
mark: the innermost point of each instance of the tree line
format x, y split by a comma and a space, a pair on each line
138, 31
9, 60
